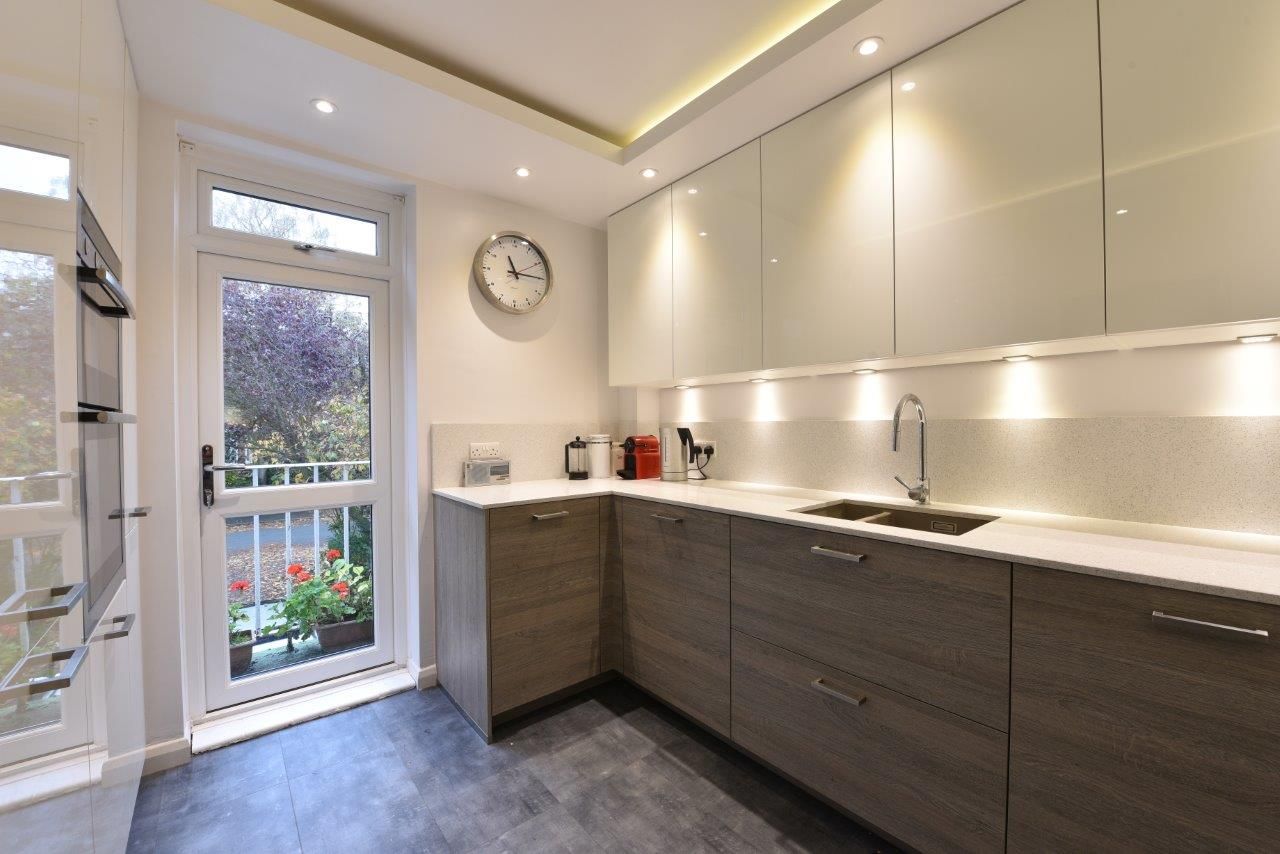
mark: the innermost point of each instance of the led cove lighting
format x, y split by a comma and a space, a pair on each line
868, 46
522, 172
865, 372
1020, 358
649, 173
757, 380
324, 106
908, 86
1257, 339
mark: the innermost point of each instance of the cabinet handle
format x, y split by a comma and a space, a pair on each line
39, 476
675, 520
823, 688
99, 416
118, 628
542, 517
73, 657
1160, 618
56, 602
838, 555
130, 513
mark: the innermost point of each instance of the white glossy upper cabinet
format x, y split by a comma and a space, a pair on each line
998, 183
102, 107
716, 263
827, 198
1192, 121
640, 292
39, 66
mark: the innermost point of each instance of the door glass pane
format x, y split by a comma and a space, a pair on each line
299, 586
295, 384
27, 563
26, 171
267, 218
27, 401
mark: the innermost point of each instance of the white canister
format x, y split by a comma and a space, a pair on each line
599, 455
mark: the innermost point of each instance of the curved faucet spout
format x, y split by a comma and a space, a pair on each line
920, 492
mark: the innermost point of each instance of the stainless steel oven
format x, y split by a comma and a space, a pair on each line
103, 306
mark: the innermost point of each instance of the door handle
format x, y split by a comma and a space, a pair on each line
675, 520
838, 555
208, 468
542, 517
820, 685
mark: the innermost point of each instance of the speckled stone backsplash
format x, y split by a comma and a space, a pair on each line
1204, 472
536, 451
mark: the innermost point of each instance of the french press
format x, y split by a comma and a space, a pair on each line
575, 459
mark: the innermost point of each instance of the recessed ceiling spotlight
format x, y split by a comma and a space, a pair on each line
522, 172
693, 191
682, 388
757, 380
1122, 212
868, 46
1021, 357
908, 86
773, 260
702, 234
1257, 339
324, 106
865, 372
649, 172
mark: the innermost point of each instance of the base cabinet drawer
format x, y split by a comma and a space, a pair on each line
544, 599
1143, 718
675, 607
931, 779
929, 624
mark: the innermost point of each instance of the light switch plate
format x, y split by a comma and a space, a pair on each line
486, 450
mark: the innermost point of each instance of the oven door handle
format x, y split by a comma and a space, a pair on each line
102, 277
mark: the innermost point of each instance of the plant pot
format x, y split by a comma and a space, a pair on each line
344, 635
241, 657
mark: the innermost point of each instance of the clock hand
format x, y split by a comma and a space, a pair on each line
531, 276
513, 268
530, 267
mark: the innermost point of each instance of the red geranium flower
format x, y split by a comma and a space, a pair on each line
341, 588
332, 554
239, 586
303, 576
294, 568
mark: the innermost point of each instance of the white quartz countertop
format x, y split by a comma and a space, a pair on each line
1241, 566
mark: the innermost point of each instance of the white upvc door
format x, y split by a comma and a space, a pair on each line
294, 395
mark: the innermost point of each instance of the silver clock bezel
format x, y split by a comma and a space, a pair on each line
477, 272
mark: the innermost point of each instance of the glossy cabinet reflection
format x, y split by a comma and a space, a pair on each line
998, 183
1193, 161
716, 266
827, 259
640, 291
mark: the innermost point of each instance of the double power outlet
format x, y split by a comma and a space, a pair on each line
485, 451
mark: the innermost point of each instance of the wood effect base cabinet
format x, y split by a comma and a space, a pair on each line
518, 603
675, 607
929, 778
1132, 732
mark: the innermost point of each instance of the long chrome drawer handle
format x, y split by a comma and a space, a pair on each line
1160, 618
118, 628
73, 657
839, 555
54, 602
542, 517
662, 518
823, 688
39, 476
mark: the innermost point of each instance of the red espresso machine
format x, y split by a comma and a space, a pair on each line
641, 458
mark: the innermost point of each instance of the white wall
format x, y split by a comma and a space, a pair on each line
466, 363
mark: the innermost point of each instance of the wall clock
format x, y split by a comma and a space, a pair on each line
512, 272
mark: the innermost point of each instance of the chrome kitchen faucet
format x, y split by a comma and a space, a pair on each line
920, 492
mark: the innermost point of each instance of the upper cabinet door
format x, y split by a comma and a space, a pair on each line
1192, 124
716, 234
827, 198
998, 183
102, 97
640, 292
39, 66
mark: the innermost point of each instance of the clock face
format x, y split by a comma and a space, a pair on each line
512, 272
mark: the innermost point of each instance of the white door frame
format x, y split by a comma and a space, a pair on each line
193, 240
220, 690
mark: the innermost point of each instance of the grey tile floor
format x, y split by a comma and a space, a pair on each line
608, 770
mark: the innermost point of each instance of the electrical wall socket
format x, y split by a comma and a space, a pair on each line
486, 450
707, 443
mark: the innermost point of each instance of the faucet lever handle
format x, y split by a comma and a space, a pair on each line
905, 485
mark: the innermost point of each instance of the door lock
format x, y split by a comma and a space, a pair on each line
207, 470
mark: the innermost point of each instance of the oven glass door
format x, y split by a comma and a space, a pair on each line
100, 358
101, 498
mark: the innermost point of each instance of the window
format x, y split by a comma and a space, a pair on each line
267, 218
24, 170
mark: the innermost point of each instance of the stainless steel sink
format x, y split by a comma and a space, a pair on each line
897, 516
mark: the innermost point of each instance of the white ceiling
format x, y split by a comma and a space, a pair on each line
254, 66
610, 67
